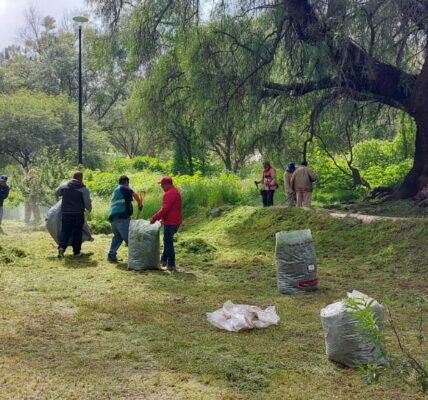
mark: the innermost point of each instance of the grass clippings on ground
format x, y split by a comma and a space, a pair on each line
86, 329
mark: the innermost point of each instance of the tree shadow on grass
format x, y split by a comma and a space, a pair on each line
179, 275
84, 261
123, 266
183, 276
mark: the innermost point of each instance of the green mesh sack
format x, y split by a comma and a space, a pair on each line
143, 245
295, 261
345, 343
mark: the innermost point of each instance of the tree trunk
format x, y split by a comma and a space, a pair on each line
189, 154
404, 135
228, 150
357, 178
416, 182
228, 162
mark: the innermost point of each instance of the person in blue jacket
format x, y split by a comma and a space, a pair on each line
121, 211
4, 193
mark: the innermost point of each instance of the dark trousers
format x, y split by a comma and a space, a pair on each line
72, 225
267, 197
168, 255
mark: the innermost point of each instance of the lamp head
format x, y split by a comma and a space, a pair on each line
80, 19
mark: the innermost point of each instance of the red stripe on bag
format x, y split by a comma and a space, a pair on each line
310, 283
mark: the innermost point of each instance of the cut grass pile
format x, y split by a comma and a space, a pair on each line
86, 329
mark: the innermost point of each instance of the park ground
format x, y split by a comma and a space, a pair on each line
86, 329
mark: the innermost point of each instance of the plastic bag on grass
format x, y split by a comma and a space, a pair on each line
54, 224
143, 245
236, 317
295, 261
344, 344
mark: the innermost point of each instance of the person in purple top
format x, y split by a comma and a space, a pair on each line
4, 193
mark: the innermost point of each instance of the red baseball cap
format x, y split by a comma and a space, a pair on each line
166, 179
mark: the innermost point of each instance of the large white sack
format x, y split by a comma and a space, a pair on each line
236, 317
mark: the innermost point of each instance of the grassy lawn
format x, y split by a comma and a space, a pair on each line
86, 329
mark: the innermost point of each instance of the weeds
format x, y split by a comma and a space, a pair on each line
413, 364
373, 332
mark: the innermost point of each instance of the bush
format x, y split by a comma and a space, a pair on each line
140, 163
391, 175
100, 227
197, 191
98, 218
152, 164
211, 192
340, 196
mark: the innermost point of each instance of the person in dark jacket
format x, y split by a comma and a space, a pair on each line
4, 193
171, 218
75, 200
120, 214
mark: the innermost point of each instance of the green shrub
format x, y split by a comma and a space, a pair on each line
101, 184
100, 227
119, 165
98, 218
152, 164
340, 196
391, 175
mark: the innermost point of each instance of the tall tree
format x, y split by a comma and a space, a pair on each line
371, 51
31, 121
213, 69
162, 101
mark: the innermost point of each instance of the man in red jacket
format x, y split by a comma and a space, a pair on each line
170, 216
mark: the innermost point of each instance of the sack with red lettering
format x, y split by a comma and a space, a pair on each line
295, 261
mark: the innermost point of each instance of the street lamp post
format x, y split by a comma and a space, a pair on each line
80, 20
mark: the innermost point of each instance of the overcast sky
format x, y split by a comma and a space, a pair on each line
12, 14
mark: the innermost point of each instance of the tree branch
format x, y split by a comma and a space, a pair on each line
361, 72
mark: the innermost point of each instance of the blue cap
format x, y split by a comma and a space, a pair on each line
291, 165
3, 178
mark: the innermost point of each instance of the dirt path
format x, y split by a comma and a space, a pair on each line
366, 219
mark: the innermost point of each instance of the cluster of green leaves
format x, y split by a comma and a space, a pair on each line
30, 121
380, 163
140, 163
373, 331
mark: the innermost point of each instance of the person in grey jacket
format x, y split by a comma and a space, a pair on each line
75, 200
